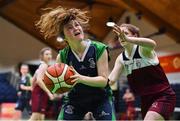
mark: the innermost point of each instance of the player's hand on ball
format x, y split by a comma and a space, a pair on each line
51, 96
58, 96
76, 77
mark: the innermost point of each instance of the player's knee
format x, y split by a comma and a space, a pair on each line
89, 116
151, 115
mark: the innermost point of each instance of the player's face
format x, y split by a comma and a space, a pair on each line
127, 33
73, 31
47, 56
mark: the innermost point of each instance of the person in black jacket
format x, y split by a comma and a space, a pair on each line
24, 91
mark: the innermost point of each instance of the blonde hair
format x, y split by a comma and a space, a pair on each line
51, 23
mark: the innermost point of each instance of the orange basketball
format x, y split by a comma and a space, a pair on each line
57, 78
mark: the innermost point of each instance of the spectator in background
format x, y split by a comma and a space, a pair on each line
24, 91
129, 99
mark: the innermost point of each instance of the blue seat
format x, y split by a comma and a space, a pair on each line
7, 92
176, 88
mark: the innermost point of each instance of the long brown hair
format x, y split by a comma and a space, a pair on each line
133, 29
51, 23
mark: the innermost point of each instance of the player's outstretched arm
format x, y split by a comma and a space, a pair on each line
144, 42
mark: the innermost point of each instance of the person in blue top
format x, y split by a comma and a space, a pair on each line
89, 59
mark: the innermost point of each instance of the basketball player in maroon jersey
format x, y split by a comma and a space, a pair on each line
145, 75
40, 94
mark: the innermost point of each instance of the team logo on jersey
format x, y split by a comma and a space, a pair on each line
103, 113
138, 64
69, 109
92, 63
128, 67
132, 65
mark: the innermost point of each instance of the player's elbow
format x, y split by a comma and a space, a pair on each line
39, 81
152, 44
111, 82
104, 82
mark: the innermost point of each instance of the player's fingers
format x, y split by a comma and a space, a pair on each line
74, 84
116, 32
74, 76
119, 33
74, 80
72, 69
117, 28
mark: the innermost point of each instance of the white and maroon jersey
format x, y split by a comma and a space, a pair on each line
145, 75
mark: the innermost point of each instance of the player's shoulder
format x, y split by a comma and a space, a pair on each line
97, 44
64, 50
100, 48
119, 58
147, 53
62, 56
43, 65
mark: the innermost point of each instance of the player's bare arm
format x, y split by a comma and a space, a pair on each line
144, 42
147, 45
41, 71
116, 72
23, 87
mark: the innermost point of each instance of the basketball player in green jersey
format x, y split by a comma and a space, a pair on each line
89, 60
